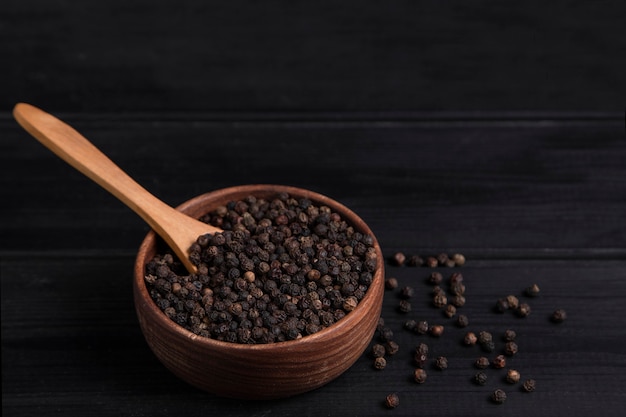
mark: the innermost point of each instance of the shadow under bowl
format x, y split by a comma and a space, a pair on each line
258, 371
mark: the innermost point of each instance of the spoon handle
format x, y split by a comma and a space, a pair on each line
176, 228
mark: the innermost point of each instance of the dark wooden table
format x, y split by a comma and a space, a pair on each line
416, 116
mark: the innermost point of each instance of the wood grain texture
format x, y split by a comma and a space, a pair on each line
405, 55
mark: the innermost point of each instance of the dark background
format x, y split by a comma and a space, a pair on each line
490, 128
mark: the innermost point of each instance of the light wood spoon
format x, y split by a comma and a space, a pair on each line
177, 229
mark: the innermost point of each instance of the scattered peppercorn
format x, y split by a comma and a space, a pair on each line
378, 350
440, 300
391, 283
392, 400
436, 330
512, 376
435, 278
513, 301
482, 363
558, 316
498, 396
459, 259
414, 260
391, 348
480, 378
462, 320
398, 259
422, 349
441, 363
509, 335
407, 292
449, 311
422, 327
458, 301
470, 338
523, 310
532, 291
410, 325
510, 348
432, 262
420, 375
529, 385
404, 306
380, 363
502, 305
499, 362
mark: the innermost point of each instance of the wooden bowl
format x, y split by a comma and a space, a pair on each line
258, 371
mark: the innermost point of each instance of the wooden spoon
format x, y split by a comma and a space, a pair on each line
177, 229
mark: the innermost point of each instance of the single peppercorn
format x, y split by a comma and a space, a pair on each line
462, 320
529, 385
420, 375
532, 291
378, 350
449, 311
410, 325
414, 260
499, 362
436, 330
407, 292
391, 283
422, 349
391, 348
502, 305
435, 278
404, 306
380, 363
432, 262
558, 316
398, 259
509, 335
482, 363
422, 327
392, 400
459, 259
498, 396
510, 348
512, 376
458, 301
513, 301
523, 310
440, 300
480, 378
470, 339
441, 363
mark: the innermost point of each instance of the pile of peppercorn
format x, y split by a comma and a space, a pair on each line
282, 269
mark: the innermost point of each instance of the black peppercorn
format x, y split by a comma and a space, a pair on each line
529, 385
391, 348
558, 316
523, 310
420, 375
414, 260
509, 335
436, 330
422, 327
470, 338
410, 325
459, 259
532, 291
404, 306
398, 259
482, 363
499, 362
510, 348
480, 378
462, 320
441, 363
380, 363
392, 400
378, 350
449, 311
407, 292
498, 396
435, 278
391, 283
512, 376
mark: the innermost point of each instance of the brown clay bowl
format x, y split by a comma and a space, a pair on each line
261, 371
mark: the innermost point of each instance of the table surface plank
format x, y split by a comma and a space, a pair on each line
527, 200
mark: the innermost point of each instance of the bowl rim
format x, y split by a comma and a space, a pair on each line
350, 318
